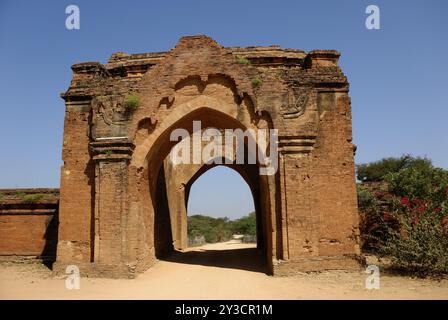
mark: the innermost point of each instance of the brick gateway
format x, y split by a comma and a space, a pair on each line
122, 204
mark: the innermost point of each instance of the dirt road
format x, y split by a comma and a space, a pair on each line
209, 272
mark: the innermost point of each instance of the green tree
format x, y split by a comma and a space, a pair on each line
377, 171
220, 229
213, 229
417, 181
246, 225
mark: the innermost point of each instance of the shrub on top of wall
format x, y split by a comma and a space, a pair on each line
242, 60
33, 198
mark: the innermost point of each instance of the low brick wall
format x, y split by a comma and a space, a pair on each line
29, 222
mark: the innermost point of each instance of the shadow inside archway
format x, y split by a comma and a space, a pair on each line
249, 259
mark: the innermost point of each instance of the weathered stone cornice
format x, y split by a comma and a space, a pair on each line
112, 149
296, 145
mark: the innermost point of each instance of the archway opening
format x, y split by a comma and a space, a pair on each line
169, 189
221, 210
224, 222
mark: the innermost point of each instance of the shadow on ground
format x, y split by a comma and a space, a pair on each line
249, 259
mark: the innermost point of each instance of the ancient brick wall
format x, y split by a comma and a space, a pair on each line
113, 206
29, 222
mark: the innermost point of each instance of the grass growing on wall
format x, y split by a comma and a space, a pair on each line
33, 198
242, 60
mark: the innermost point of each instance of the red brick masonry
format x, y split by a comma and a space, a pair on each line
29, 222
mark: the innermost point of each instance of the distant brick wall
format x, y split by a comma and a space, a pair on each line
29, 222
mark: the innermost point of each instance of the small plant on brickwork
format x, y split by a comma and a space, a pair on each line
33, 198
131, 103
108, 153
19, 195
256, 82
2, 196
242, 60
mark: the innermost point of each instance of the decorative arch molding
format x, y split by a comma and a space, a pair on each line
201, 103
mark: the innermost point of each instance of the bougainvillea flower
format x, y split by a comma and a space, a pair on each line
420, 209
405, 201
437, 210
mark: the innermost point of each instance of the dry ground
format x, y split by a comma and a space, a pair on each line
209, 272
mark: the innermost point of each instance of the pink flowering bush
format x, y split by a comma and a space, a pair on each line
408, 222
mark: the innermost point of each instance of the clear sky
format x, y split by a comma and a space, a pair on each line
220, 192
398, 74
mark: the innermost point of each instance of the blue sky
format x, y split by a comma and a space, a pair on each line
220, 192
398, 74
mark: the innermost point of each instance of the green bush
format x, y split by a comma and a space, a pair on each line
242, 60
33, 198
213, 229
375, 218
246, 225
420, 245
417, 181
408, 222
366, 199
256, 82
377, 171
131, 102
19, 195
2, 196
220, 229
